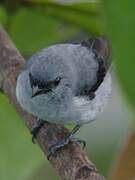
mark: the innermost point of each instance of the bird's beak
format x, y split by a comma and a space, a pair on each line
35, 91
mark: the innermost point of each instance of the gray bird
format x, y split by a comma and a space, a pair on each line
66, 84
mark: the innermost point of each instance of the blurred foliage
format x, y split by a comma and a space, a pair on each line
36, 24
18, 156
32, 32
120, 18
84, 15
48, 21
3, 15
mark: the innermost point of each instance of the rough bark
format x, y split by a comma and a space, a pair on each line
70, 162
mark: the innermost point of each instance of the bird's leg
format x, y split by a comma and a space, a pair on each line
65, 141
35, 129
79, 141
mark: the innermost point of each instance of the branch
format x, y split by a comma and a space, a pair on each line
70, 162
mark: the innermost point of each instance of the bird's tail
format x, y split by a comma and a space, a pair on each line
101, 46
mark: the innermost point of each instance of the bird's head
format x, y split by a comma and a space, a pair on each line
41, 86
48, 79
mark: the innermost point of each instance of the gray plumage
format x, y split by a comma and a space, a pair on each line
73, 82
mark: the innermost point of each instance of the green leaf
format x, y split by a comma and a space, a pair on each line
88, 8
86, 16
120, 19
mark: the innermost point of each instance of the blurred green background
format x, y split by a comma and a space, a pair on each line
37, 25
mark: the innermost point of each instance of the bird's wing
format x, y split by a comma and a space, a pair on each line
100, 47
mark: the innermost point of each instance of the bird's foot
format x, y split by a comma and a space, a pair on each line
65, 141
79, 141
35, 129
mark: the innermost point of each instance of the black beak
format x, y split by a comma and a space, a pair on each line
35, 91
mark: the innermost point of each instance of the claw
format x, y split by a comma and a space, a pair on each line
52, 151
81, 142
35, 129
65, 141
33, 139
62, 143
57, 146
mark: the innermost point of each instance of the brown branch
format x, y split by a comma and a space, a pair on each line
124, 168
70, 162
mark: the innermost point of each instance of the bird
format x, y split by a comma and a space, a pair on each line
67, 83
